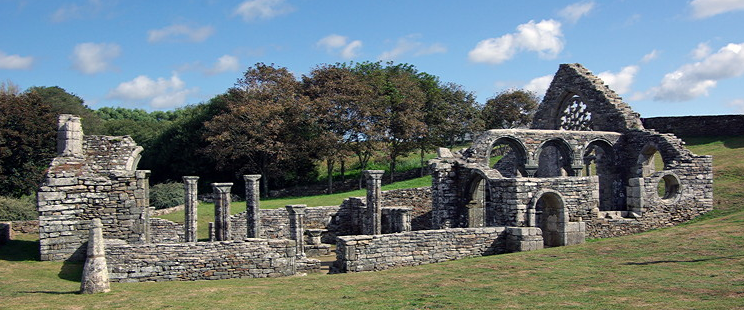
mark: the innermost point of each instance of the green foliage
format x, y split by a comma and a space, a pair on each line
166, 195
27, 142
63, 102
510, 109
18, 209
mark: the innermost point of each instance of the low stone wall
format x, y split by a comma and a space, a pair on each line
697, 126
250, 258
378, 252
165, 231
165, 211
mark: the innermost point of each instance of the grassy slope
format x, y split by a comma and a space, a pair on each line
698, 265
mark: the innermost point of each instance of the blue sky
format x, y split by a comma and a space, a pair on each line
663, 57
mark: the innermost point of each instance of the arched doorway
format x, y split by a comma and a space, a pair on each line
599, 160
474, 211
550, 217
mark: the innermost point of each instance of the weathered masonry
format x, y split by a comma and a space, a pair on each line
586, 168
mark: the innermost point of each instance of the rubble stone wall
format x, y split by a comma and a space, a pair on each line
250, 258
698, 126
165, 231
379, 252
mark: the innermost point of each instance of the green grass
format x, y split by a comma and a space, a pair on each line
699, 265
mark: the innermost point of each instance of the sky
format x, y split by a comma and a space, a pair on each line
664, 57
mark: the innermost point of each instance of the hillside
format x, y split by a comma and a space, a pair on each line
696, 265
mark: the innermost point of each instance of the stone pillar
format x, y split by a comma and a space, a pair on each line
69, 136
374, 201
142, 203
95, 273
222, 211
252, 214
190, 208
297, 227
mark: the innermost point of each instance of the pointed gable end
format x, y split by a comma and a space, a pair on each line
578, 100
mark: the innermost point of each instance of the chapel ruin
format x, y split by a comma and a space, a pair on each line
585, 169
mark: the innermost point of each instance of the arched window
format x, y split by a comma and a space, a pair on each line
508, 156
575, 115
554, 159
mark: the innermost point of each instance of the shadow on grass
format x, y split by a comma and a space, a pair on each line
50, 292
71, 271
20, 250
684, 261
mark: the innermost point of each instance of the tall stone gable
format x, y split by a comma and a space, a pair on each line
578, 100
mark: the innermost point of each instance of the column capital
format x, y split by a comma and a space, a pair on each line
251, 177
222, 187
296, 209
374, 174
190, 179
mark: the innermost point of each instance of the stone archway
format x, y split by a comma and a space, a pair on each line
551, 218
554, 159
474, 211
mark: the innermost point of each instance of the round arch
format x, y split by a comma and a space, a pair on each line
547, 211
554, 158
513, 163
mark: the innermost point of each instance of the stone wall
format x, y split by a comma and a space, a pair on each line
92, 177
697, 126
250, 258
165, 231
379, 252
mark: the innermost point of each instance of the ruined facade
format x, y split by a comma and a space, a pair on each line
587, 168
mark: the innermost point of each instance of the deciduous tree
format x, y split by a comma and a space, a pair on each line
510, 109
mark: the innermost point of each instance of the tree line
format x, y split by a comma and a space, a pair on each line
270, 122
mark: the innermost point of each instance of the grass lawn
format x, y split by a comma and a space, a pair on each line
698, 265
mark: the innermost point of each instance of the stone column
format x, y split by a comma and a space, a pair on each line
190, 207
69, 136
95, 272
252, 214
297, 227
374, 201
222, 210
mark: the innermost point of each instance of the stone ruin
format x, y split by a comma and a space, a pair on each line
586, 168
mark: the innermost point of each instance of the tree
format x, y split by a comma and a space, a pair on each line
62, 102
27, 142
267, 128
510, 109
340, 101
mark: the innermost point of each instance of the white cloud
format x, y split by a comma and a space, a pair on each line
410, 44
738, 105
262, 9
574, 12
161, 93
180, 33
77, 11
650, 56
544, 37
91, 58
695, 79
701, 51
539, 85
224, 64
708, 8
334, 42
15, 62
620, 82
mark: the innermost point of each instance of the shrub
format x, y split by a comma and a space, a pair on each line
18, 209
166, 195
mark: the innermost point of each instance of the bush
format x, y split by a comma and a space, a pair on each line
166, 195
18, 209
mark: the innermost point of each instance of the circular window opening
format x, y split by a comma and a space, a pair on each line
668, 187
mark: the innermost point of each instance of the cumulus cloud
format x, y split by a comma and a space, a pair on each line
701, 51
335, 43
650, 56
161, 93
410, 44
574, 12
708, 8
544, 37
696, 79
539, 85
92, 58
262, 9
621, 81
738, 105
225, 63
180, 33
15, 62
